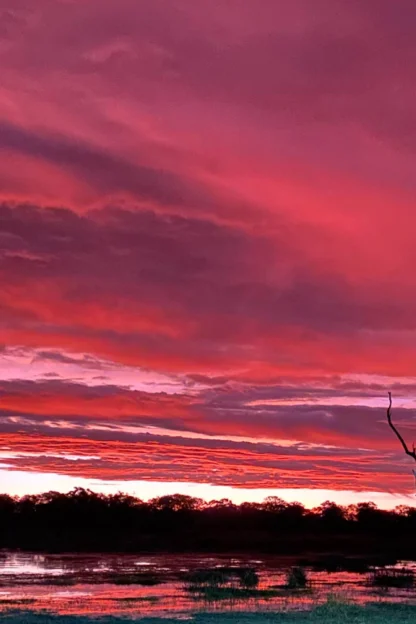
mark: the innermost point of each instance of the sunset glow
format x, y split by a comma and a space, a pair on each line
207, 253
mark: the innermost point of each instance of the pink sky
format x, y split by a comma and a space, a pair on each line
207, 251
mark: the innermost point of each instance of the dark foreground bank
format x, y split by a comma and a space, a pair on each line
330, 613
84, 521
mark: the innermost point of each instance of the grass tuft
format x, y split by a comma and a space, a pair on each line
147, 580
245, 578
392, 578
296, 578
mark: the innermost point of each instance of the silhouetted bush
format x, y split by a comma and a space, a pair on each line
248, 578
296, 578
210, 577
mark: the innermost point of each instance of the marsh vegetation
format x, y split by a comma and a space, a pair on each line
169, 584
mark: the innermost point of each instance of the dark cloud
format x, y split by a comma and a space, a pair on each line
86, 361
195, 267
102, 170
249, 412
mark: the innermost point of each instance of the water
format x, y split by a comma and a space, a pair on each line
90, 584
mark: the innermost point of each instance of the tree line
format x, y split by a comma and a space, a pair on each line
82, 520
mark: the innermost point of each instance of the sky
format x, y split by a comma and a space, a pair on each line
207, 254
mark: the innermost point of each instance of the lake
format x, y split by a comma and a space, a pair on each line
155, 585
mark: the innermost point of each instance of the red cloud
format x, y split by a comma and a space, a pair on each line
226, 198
161, 461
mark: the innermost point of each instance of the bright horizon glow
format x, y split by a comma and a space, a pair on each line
23, 483
207, 247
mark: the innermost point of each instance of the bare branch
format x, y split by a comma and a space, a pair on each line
403, 443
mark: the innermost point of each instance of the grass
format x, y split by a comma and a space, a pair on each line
147, 580
341, 611
296, 578
210, 577
239, 583
333, 562
129, 599
334, 611
248, 578
226, 583
213, 594
230, 577
392, 578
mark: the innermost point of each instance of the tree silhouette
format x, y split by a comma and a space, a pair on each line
84, 521
411, 453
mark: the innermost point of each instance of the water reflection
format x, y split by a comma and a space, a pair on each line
154, 584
